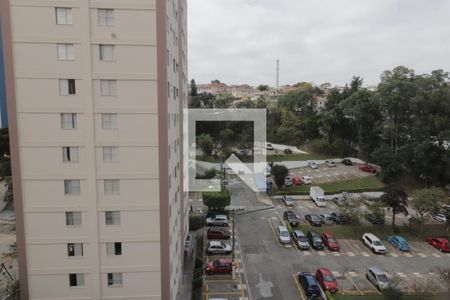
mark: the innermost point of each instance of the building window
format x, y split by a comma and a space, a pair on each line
114, 279
72, 187
105, 17
76, 279
110, 154
67, 87
112, 186
106, 52
68, 121
65, 51
74, 249
108, 87
70, 154
109, 121
112, 217
63, 15
73, 218
114, 248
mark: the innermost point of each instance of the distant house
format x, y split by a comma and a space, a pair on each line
214, 88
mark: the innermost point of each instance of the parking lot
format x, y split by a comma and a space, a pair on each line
271, 268
325, 174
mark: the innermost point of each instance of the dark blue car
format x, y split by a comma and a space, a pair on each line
309, 284
399, 242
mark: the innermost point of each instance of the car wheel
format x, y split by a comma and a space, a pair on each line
440, 249
224, 225
227, 253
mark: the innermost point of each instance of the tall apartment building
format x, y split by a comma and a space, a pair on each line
95, 92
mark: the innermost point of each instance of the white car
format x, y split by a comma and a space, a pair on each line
218, 220
288, 201
330, 163
377, 277
269, 147
373, 243
288, 181
441, 218
312, 164
217, 247
307, 179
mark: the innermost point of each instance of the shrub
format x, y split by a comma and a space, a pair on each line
329, 295
289, 227
415, 225
216, 200
198, 262
195, 222
197, 285
338, 147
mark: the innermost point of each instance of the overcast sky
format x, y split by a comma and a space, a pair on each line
238, 41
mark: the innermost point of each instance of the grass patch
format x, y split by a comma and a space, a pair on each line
355, 232
365, 183
295, 157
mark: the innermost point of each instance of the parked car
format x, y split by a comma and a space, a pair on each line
220, 266
291, 217
217, 220
297, 180
441, 218
314, 220
300, 239
326, 280
367, 168
217, 247
307, 179
399, 242
339, 218
440, 243
330, 163
374, 243
287, 151
309, 284
377, 277
375, 219
330, 241
283, 235
315, 240
312, 164
288, 181
347, 161
326, 219
288, 201
269, 147
217, 233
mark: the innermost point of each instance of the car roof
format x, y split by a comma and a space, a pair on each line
225, 260
215, 243
312, 232
282, 228
325, 271
371, 236
299, 233
377, 271
442, 239
220, 216
216, 229
327, 233
400, 238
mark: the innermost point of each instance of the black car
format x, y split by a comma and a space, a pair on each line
314, 220
309, 284
287, 151
347, 162
375, 219
339, 218
315, 240
291, 217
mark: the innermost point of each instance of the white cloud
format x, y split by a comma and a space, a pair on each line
238, 41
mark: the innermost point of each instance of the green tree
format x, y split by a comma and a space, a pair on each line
216, 200
205, 143
12, 291
393, 291
396, 200
223, 101
262, 87
193, 91
279, 172
427, 202
4, 142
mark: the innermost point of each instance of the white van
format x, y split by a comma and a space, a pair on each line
374, 243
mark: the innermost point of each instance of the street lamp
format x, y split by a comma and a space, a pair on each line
233, 209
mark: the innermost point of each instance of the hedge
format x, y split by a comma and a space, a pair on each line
195, 222
306, 193
216, 200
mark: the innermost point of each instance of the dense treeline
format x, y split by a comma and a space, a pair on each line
403, 125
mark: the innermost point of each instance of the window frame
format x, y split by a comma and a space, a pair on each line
113, 155
67, 16
112, 218
79, 280
72, 187
108, 87
109, 18
109, 121
70, 154
70, 222
75, 250
102, 52
68, 51
114, 248
114, 276
111, 187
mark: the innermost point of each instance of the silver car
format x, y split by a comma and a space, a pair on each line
217, 220
326, 219
441, 218
312, 164
288, 201
377, 277
300, 239
283, 235
217, 247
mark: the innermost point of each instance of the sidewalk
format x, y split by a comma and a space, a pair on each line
185, 291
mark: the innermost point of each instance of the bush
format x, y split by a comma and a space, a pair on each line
289, 227
216, 200
197, 285
415, 225
198, 262
304, 193
195, 222
329, 295
338, 147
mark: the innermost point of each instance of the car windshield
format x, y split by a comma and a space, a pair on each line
317, 239
332, 240
328, 278
377, 243
284, 234
315, 218
382, 278
216, 263
302, 239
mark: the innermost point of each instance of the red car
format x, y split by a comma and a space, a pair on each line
297, 180
326, 280
215, 233
330, 241
368, 168
220, 266
439, 243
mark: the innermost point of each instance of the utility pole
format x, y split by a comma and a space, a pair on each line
278, 73
233, 254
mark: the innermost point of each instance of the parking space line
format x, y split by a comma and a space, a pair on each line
273, 230
351, 246
352, 282
298, 286
374, 288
